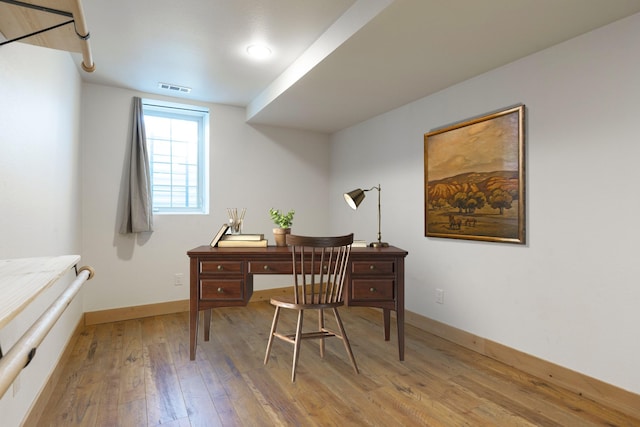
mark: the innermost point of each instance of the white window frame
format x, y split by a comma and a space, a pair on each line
201, 116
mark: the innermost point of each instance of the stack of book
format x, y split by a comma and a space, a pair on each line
222, 239
242, 241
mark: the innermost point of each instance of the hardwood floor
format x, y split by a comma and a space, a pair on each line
138, 373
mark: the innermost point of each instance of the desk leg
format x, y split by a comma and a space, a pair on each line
207, 324
400, 307
386, 315
400, 319
193, 308
193, 332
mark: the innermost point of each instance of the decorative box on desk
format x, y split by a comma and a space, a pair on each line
223, 277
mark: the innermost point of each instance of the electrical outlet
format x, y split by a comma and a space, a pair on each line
178, 279
440, 296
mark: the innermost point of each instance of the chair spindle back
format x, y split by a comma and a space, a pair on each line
319, 267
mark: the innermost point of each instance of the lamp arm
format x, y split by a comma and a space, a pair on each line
379, 211
379, 215
354, 198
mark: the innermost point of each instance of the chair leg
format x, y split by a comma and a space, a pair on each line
296, 348
345, 340
321, 328
274, 324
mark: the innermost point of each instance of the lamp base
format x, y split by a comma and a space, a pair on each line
379, 244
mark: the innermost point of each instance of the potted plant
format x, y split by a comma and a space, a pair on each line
283, 221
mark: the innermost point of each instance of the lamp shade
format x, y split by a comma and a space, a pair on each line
354, 198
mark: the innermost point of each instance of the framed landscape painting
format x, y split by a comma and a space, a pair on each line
474, 179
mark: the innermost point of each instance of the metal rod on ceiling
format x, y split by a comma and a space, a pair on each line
79, 24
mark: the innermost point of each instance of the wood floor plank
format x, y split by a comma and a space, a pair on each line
510, 384
112, 363
215, 388
318, 404
107, 414
132, 372
276, 401
138, 373
245, 404
132, 413
200, 407
65, 395
176, 327
420, 411
165, 401
182, 422
95, 375
515, 401
85, 405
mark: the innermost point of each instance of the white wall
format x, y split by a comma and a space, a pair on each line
571, 294
39, 194
256, 167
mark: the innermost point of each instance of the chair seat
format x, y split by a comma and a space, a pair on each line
289, 302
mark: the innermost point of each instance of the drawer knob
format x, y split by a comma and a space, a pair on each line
220, 268
372, 267
220, 291
372, 289
265, 268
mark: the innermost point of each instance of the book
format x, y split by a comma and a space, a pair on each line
219, 235
242, 243
251, 237
359, 244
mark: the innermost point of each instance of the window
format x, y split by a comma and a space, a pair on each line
176, 142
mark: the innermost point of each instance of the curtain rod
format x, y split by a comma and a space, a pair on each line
203, 110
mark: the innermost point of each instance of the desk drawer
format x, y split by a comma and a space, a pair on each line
207, 266
372, 289
281, 267
373, 267
230, 289
270, 267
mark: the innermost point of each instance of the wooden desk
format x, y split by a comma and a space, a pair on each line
223, 277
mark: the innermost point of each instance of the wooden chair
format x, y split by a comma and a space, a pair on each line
319, 270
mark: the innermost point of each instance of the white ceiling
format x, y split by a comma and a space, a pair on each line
335, 62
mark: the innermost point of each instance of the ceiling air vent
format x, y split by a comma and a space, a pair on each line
175, 88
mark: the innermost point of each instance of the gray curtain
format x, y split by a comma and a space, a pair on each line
135, 210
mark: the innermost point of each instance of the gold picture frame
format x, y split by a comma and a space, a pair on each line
474, 180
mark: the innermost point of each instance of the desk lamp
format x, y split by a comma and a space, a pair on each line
354, 198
